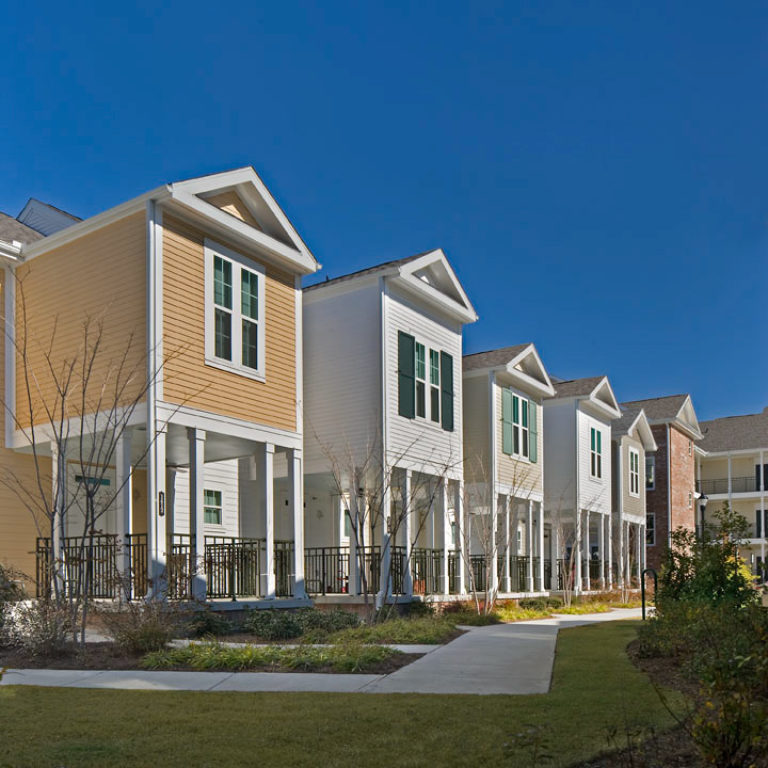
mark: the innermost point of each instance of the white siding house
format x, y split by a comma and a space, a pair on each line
577, 476
503, 464
383, 427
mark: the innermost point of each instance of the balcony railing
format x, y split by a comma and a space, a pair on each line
720, 485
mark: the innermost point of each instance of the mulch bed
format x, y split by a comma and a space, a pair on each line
104, 656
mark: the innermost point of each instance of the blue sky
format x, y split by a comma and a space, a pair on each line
596, 173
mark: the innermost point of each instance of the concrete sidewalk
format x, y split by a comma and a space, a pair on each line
499, 659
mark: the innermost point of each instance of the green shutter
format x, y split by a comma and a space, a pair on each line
599, 445
446, 387
533, 433
506, 421
406, 380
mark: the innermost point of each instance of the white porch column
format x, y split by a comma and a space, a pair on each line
458, 510
446, 534
267, 475
124, 503
576, 554
587, 551
196, 438
507, 546
628, 559
58, 533
157, 544
354, 539
529, 546
385, 578
540, 520
601, 549
609, 536
408, 532
296, 506
492, 558
638, 555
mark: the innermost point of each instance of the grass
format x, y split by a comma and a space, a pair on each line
430, 630
595, 689
208, 656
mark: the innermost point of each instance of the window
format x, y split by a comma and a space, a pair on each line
434, 385
421, 382
519, 430
234, 307
412, 401
634, 472
650, 529
690, 499
690, 447
596, 452
211, 507
650, 472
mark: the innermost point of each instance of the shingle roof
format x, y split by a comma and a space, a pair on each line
493, 358
368, 271
734, 433
12, 229
658, 407
577, 387
621, 426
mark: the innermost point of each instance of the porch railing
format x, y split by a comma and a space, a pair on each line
89, 565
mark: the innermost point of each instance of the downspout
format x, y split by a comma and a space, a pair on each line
669, 486
386, 547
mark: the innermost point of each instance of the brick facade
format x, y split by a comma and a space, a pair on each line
682, 481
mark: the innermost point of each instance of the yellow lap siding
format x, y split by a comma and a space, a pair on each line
187, 379
101, 275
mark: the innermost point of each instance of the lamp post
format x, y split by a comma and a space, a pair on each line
703, 499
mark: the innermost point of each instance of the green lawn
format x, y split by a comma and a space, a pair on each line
595, 689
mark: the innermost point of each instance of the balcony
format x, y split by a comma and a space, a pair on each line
720, 485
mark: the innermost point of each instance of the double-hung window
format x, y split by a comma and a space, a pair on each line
634, 472
519, 426
421, 381
212, 507
650, 471
650, 529
596, 453
234, 312
434, 385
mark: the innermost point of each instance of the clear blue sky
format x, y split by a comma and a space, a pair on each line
597, 175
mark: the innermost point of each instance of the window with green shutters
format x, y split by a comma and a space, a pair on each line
406, 375
421, 381
596, 453
446, 391
434, 385
519, 430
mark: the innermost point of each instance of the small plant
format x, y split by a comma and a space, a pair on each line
206, 623
272, 624
38, 627
10, 592
142, 627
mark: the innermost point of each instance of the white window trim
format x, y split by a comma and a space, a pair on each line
427, 381
517, 427
634, 476
239, 262
215, 528
598, 454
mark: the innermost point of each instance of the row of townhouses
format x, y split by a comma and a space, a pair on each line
281, 443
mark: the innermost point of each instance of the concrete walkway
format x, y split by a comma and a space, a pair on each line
498, 659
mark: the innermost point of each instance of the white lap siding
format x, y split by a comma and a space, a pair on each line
594, 493
420, 443
217, 476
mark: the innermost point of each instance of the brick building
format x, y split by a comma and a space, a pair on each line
670, 477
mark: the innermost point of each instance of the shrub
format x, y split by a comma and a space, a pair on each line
139, 627
10, 592
206, 622
38, 627
534, 603
273, 624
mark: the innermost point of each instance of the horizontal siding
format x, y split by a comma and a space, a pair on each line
632, 506
477, 438
559, 456
523, 477
342, 384
594, 494
217, 476
420, 443
187, 379
101, 276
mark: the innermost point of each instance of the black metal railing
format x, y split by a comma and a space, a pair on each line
326, 570
88, 567
138, 584
748, 484
233, 567
427, 570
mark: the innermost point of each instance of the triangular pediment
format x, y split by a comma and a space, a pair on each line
687, 416
603, 394
240, 201
529, 363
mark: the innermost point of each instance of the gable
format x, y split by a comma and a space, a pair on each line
230, 202
436, 275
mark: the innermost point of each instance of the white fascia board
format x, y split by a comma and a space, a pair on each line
85, 227
280, 253
434, 298
643, 429
407, 270
523, 381
10, 252
530, 350
604, 409
725, 454
678, 423
615, 409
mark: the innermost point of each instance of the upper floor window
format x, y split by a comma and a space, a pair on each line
650, 471
690, 499
596, 452
519, 426
634, 472
413, 384
234, 311
650, 529
690, 447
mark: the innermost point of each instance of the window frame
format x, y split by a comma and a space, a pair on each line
219, 507
434, 384
239, 263
650, 457
420, 380
650, 530
596, 453
634, 473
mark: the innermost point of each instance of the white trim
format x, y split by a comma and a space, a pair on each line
10, 356
187, 416
493, 454
239, 262
636, 453
299, 325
